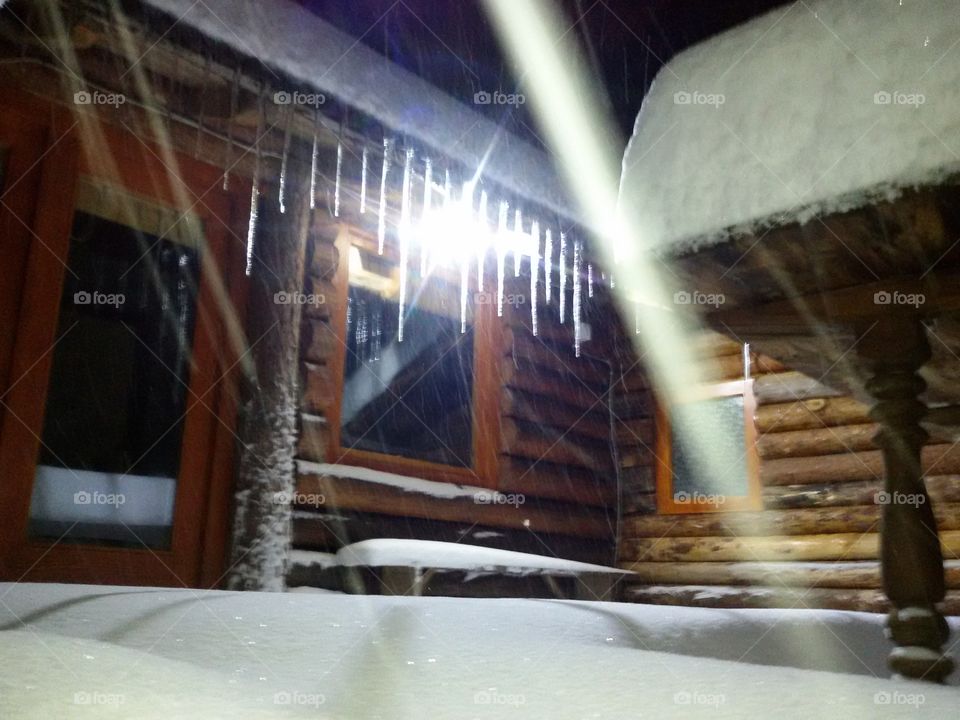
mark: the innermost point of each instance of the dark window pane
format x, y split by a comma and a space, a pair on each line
118, 387
410, 398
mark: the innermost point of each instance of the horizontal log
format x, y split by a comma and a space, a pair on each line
526, 440
759, 597
633, 380
709, 343
820, 441
789, 386
521, 375
863, 574
319, 389
638, 479
638, 504
356, 495
314, 438
637, 457
834, 546
801, 521
635, 433
522, 345
324, 260
536, 408
634, 405
555, 482
867, 465
723, 368
941, 488
812, 413
320, 288
331, 531
319, 341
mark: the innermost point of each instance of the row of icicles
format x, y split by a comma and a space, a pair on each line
506, 239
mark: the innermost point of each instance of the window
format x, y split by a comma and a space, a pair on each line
406, 405
717, 424
116, 402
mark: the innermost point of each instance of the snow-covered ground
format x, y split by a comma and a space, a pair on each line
71, 651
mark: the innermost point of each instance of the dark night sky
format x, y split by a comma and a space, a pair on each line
451, 44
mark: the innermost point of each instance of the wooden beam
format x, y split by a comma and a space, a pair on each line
810, 414
356, 495
820, 441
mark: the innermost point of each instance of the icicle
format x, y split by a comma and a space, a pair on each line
281, 197
636, 309
481, 252
547, 264
589, 280
517, 241
234, 94
336, 182
382, 220
577, 292
464, 291
254, 191
364, 159
563, 277
612, 283
534, 273
404, 239
313, 163
427, 202
501, 253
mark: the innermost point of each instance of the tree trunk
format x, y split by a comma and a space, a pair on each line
268, 424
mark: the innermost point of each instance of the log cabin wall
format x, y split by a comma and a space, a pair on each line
815, 542
553, 440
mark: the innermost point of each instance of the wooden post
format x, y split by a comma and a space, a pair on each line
894, 349
263, 497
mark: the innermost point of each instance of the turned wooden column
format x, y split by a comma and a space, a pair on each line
893, 350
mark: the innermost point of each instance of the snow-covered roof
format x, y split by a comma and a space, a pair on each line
815, 107
286, 37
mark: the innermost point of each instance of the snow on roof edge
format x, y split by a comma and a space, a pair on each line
285, 35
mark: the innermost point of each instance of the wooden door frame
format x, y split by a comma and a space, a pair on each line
201, 506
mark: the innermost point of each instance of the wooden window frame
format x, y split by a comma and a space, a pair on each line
666, 503
485, 399
198, 544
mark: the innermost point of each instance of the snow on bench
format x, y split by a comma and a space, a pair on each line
813, 108
412, 563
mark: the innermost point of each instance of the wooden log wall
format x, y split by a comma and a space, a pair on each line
554, 441
815, 542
